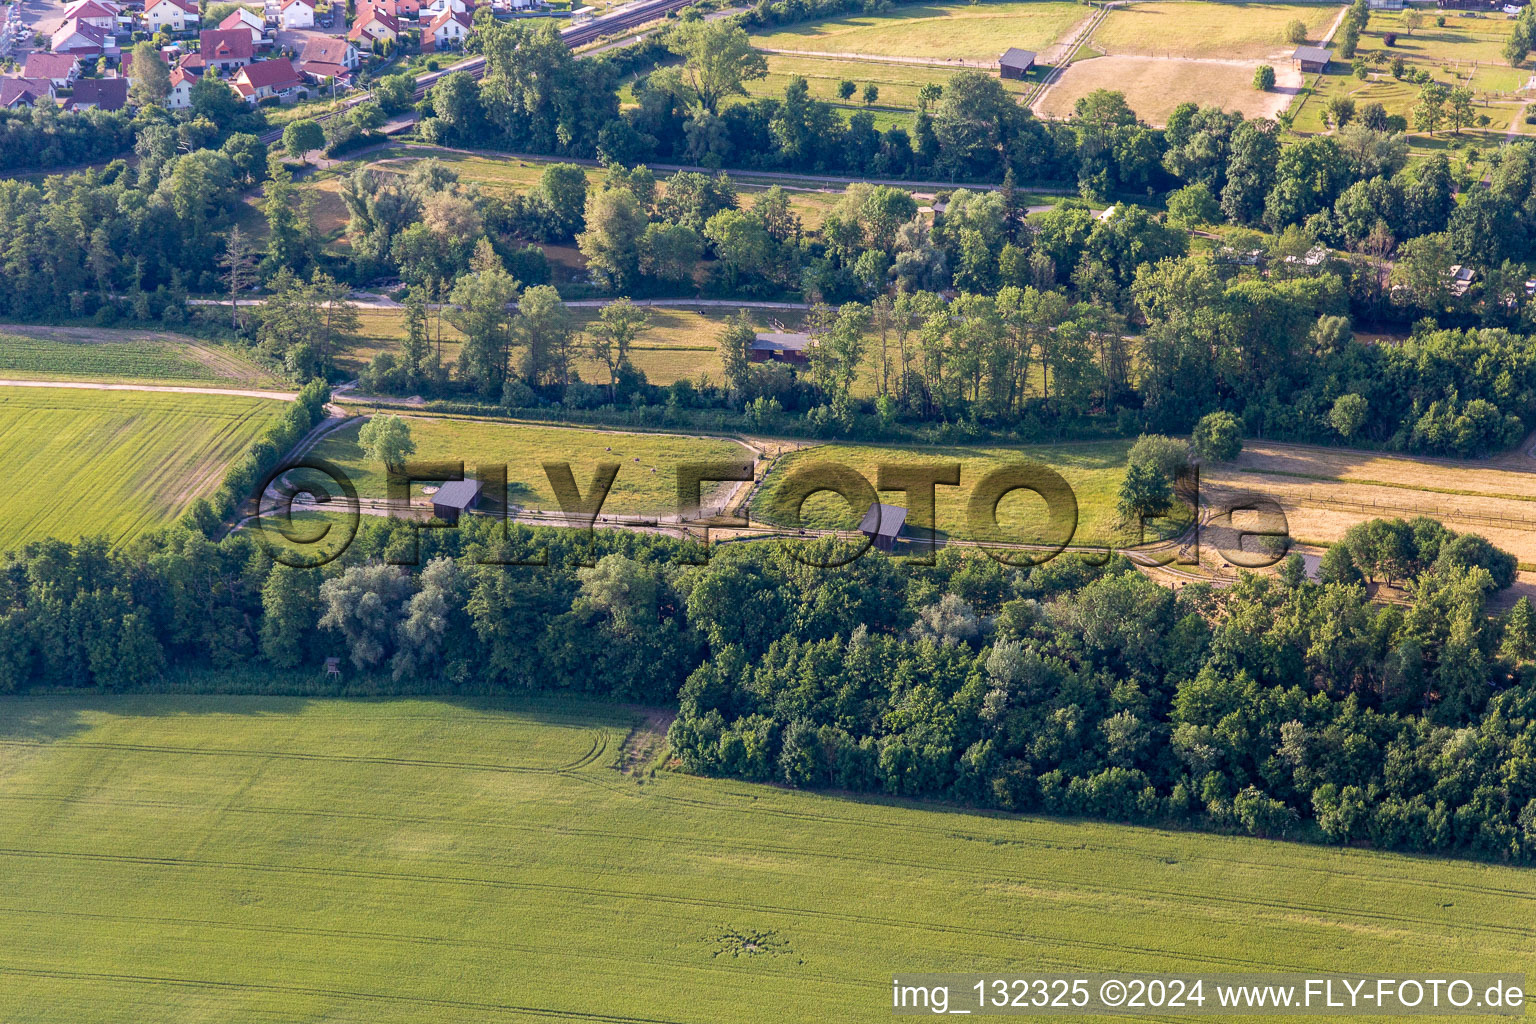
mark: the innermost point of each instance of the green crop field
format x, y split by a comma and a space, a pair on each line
646, 483
979, 31
1195, 28
1093, 470
201, 859
114, 463
63, 353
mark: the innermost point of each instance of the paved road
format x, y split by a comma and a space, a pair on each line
83, 385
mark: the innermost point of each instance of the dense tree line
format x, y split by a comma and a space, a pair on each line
44, 136
1280, 707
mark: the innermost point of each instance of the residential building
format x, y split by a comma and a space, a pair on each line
84, 40
24, 92
294, 14
242, 18
266, 79
373, 25
326, 57
170, 16
400, 10
330, 50
60, 68
225, 49
99, 94
447, 31
95, 13
180, 96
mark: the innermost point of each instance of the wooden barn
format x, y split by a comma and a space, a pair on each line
1312, 58
781, 346
455, 498
1015, 63
883, 524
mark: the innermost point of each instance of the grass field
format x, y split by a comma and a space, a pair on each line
1193, 28
185, 859
978, 31
1465, 53
680, 343
646, 484
1093, 470
102, 354
114, 463
898, 83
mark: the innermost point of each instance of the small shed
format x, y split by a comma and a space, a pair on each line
1015, 63
1312, 58
781, 346
454, 498
883, 524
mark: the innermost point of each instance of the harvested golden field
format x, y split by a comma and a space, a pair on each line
1154, 87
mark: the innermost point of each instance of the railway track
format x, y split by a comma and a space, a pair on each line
626, 17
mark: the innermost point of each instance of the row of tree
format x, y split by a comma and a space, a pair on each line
1279, 707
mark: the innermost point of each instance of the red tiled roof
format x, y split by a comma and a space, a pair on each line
90, 9
324, 50
449, 14
189, 8
273, 74
51, 65
225, 44
370, 15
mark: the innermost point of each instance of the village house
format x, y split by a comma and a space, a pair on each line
170, 16
326, 57
373, 25
59, 68
400, 10
180, 96
447, 31
437, 7
266, 79
84, 40
96, 13
242, 18
24, 92
225, 49
99, 94
294, 14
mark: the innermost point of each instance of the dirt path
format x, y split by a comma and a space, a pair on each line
82, 385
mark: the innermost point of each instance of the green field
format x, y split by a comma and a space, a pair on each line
1195, 28
1094, 470
62, 353
114, 463
979, 31
187, 859
680, 343
898, 83
646, 484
